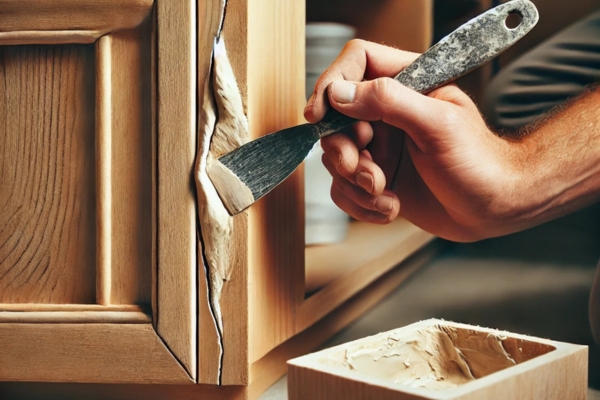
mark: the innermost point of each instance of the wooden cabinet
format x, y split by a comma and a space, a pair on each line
103, 277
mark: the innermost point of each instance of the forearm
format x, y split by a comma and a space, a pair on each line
559, 168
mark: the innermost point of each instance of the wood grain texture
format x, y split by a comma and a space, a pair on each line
117, 353
53, 37
154, 149
261, 37
104, 170
52, 15
215, 229
235, 295
275, 100
124, 161
558, 374
176, 129
263, 373
210, 14
29, 307
74, 317
405, 24
131, 167
47, 205
94, 391
209, 345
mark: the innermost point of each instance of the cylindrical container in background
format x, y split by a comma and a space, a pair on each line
325, 222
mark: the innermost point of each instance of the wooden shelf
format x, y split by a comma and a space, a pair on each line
340, 271
366, 246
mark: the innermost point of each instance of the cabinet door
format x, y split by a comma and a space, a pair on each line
87, 292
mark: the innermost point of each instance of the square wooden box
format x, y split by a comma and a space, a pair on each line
544, 369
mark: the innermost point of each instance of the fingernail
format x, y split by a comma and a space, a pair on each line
384, 204
343, 91
365, 180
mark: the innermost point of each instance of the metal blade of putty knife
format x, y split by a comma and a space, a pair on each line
252, 170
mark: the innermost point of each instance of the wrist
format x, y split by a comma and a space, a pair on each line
511, 201
547, 179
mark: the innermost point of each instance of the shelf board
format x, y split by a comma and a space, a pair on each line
335, 273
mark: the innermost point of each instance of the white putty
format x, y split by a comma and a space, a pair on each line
435, 357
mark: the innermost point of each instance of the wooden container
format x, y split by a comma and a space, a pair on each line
376, 367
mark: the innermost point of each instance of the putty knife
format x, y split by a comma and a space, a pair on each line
252, 170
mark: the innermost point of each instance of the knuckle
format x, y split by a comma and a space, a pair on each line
337, 196
447, 116
355, 44
375, 217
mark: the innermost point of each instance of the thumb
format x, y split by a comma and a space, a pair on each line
387, 100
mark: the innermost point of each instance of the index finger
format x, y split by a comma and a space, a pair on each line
358, 60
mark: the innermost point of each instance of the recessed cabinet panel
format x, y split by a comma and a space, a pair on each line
47, 174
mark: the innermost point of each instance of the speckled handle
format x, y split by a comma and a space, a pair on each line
467, 48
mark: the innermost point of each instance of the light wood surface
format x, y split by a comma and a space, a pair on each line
263, 373
31, 307
47, 190
103, 170
365, 243
368, 252
74, 317
117, 353
558, 374
176, 108
53, 15
276, 222
44, 37
211, 14
235, 297
79, 391
131, 166
269, 237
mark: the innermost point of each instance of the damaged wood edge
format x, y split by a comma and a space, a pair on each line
206, 126
222, 127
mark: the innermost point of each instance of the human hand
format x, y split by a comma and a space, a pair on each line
430, 159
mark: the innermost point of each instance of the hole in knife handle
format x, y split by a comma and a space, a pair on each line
513, 20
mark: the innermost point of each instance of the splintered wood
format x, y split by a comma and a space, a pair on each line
223, 128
